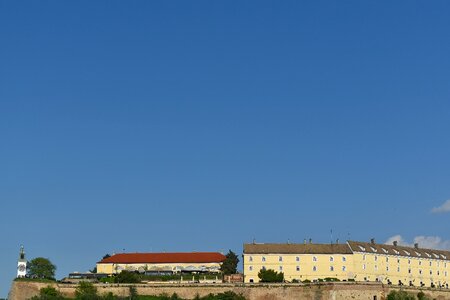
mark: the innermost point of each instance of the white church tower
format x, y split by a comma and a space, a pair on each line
21, 264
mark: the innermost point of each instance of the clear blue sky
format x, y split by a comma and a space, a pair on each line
180, 126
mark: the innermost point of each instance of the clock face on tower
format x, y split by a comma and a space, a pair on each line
21, 268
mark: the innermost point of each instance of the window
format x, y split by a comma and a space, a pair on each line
376, 258
384, 250
364, 257
387, 268
263, 268
250, 268
250, 258
427, 254
418, 254
376, 267
431, 272
314, 258
281, 268
344, 268
362, 248
387, 259
445, 273
297, 258
409, 271
420, 272
420, 262
409, 261
398, 269
280, 258
263, 258
344, 258
431, 263
297, 268
331, 258
314, 268
438, 273
398, 260
373, 249
331, 268
407, 253
364, 266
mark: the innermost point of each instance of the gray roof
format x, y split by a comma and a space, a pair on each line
368, 247
297, 249
349, 248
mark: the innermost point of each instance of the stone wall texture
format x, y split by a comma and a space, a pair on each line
21, 290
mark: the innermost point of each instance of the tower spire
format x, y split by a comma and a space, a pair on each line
21, 263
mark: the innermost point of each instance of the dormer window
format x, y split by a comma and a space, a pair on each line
373, 249
396, 252
384, 250
407, 253
418, 254
435, 255
427, 254
362, 248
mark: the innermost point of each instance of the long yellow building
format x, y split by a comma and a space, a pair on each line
352, 261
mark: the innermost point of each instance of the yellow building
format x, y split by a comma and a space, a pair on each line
358, 261
166, 263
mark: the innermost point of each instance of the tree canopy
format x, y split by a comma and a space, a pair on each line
48, 293
270, 276
41, 267
229, 265
86, 291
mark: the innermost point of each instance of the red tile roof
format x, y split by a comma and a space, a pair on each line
158, 258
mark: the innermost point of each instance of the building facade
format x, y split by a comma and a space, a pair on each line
162, 263
352, 261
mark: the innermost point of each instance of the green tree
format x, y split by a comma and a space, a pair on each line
421, 296
229, 265
127, 277
48, 293
133, 293
86, 291
400, 295
270, 276
41, 267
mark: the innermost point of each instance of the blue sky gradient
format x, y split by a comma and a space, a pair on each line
197, 126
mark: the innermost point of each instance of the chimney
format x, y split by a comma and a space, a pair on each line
416, 245
372, 241
304, 241
395, 243
310, 240
254, 241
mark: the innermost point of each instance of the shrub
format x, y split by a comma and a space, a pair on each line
270, 276
400, 295
127, 277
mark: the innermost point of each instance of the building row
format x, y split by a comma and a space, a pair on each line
349, 261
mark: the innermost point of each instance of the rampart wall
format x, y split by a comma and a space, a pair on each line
22, 290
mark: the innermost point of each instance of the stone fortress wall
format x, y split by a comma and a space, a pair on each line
22, 290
